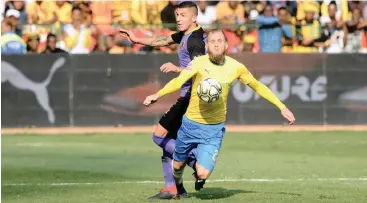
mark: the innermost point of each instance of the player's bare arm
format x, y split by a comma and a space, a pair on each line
150, 41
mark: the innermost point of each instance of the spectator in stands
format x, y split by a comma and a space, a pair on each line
120, 46
11, 43
253, 9
334, 9
14, 15
84, 6
33, 43
291, 6
41, 12
285, 21
109, 42
353, 32
332, 15
354, 5
230, 14
306, 5
271, 30
51, 45
63, 14
147, 12
121, 12
332, 37
207, 14
249, 43
102, 16
168, 16
308, 30
76, 36
63, 11
22, 19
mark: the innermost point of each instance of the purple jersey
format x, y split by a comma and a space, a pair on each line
190, 45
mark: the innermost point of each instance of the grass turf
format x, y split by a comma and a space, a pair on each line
290, 167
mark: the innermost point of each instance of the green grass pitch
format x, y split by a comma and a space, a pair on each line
273, 167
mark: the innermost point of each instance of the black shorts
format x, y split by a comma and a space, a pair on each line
172, 119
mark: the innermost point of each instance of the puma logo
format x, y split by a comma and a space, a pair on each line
11, 74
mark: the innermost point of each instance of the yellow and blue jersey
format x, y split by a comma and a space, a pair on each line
226, 74
11, 43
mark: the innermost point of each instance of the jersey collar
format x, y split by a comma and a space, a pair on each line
225, 60
198, 27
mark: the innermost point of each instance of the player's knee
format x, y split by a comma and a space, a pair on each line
178, 165
202, 172
160, 131
159, 134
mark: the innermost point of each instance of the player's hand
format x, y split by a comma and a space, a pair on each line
287, 114
169, 67
128, 34
151, 99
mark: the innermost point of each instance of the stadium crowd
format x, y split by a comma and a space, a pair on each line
81, 27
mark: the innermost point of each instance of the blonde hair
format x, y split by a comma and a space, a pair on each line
218, 30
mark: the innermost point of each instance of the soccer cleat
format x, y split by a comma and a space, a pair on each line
199, 184
181, 192
165, 193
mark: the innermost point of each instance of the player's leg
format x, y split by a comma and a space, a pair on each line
208, 151
185, 142
178, 169
164, 136
166, 131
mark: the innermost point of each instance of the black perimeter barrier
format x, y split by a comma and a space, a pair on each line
107, 90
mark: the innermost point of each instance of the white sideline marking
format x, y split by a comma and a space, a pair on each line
50, 144
158, 182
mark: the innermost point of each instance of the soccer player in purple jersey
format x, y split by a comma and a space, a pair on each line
191, 39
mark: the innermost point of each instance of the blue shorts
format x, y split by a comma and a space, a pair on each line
205, 137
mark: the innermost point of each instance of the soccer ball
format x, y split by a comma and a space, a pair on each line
209, 90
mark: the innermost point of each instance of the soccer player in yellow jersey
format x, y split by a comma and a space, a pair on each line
203, 124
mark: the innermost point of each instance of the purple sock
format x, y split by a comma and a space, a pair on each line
192, 158
166, 143
169, 180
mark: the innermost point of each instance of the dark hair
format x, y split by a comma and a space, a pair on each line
283, 8
50, 35
218, 30
76, 8
188, 4
332, 3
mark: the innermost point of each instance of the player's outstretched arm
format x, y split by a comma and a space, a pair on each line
247, 79
150, 41
170, 67
267, 94
173, 85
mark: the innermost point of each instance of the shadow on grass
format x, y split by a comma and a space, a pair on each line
217, 193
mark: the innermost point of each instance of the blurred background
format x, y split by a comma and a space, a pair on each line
82, 27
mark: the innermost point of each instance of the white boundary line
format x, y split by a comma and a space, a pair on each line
214, 181
149, 129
